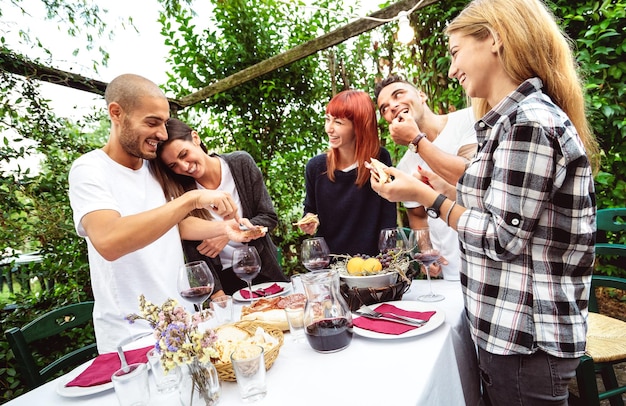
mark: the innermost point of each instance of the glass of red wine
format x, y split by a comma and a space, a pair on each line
195, 282
422, 251
392, 241
315, 254
246, 265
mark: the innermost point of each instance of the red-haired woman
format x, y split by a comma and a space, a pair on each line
338, 188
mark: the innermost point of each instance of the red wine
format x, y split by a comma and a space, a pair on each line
427, 258
329, 335
198, 294
247, 272
316, 264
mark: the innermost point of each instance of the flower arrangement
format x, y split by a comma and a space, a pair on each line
180, 342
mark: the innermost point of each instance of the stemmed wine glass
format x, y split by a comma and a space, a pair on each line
315, 254
392, 241
247, 265
195, 282
419, 241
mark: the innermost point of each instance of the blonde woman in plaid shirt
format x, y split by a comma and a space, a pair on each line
525, 209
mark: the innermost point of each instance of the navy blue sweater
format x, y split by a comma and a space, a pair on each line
350, 217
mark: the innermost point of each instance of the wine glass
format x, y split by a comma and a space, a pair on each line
392, 241
315, 254
246, 265
195, 282
419, 241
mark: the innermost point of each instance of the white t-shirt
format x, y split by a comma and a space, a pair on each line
227, 184
459, 131
99, 183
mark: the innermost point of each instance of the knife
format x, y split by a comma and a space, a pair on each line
408, 323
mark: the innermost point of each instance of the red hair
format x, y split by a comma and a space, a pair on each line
358, 107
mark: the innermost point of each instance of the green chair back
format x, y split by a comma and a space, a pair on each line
49, 325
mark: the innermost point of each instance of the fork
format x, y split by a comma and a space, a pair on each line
368, 310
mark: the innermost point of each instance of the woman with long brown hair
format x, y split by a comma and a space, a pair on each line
183, 163
338, 188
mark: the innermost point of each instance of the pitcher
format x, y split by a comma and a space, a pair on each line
327, 317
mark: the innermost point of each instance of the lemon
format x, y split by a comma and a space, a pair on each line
355, 265
372, 265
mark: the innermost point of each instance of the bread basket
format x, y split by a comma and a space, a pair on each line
225, 369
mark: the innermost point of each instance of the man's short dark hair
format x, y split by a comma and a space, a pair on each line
387, 81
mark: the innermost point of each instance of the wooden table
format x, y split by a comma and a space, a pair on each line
437, 368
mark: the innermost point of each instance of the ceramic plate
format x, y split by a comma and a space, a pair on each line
76, 391
285, 285
435, 321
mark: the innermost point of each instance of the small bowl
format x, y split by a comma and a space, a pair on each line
370, 281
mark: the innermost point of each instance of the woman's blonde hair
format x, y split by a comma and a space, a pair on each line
533, 45
358, 107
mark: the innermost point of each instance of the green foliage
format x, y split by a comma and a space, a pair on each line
277, 118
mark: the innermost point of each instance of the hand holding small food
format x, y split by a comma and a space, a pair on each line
401, 188
403, 129
378, 169
216, 201
235, 233
308, 224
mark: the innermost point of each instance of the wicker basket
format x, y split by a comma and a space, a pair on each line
357, 297
225, 369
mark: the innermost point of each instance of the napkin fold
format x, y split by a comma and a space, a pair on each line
270, 290
389, 327
103, 366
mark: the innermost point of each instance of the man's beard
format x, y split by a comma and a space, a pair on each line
131, 143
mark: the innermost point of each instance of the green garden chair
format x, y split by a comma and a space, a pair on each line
606, 337
49, 325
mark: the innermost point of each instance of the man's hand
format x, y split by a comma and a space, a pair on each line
218, 202
403, 129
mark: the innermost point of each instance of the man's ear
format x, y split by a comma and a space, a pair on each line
115, 112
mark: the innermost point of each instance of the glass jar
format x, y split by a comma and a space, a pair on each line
327, 317
200, 385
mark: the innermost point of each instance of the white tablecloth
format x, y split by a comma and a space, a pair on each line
437, 368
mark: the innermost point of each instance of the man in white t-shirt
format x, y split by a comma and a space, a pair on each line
132, 232
443, 143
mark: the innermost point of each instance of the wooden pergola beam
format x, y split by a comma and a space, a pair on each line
335, 37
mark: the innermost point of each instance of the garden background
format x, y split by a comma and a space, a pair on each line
276, 117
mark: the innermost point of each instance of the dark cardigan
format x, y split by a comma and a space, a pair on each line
257, 206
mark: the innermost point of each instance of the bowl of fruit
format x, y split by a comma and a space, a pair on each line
361, 271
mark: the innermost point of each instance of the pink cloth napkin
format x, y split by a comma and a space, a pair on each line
270, 290
101, 369
389, 327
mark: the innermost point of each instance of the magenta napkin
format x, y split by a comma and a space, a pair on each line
101, 369
270, 290
389, 327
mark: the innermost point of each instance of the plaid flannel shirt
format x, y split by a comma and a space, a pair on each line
527, 238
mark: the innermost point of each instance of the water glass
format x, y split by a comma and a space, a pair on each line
131, 385
249, 365
165, 381
223, 310
295, 318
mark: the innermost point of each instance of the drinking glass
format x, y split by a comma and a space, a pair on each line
392, 241
195, 282
315, 254
247, 265
419, 241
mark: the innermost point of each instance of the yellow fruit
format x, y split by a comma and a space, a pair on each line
372, 265
355, 265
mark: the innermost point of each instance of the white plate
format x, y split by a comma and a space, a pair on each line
285, 285
76, 391
435, 321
